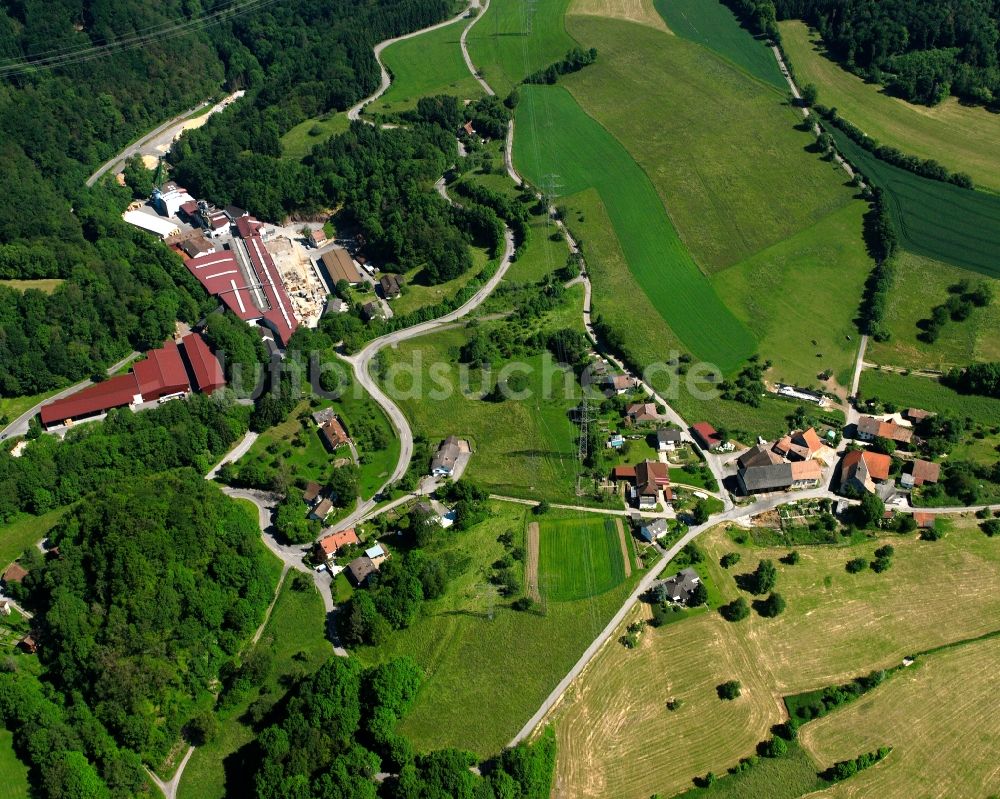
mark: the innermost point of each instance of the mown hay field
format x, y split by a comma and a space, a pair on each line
934, 219
559, 146
713, 25
13, 773
515, 38
426, 65
721, 148
940, 717
963, 138
580, 557
640, 11
913, 391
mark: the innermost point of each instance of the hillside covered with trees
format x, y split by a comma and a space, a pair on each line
921, 50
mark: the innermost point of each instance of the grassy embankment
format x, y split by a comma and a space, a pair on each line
836, 626
488, 667
294, 645
963, 138
423, 66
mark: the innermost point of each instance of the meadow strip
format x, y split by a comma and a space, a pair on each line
621, 540
531, 564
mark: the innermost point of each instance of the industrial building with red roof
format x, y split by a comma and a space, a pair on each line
163, 373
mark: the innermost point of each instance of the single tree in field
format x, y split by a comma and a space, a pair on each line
809, 94
728, 690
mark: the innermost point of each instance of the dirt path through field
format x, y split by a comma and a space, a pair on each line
531, 564
624, 545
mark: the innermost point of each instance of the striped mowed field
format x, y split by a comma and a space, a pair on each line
580, 557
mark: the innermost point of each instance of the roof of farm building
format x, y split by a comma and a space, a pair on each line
162, 371
204, 365
115, 392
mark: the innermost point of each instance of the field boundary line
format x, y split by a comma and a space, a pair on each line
621, 542
531, 562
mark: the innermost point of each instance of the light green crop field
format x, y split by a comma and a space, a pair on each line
921, 283
801, 296
298, 142
417, 295
515, 38
13, 773
46, 285
556, 143
618, 299
424, 66
294, 641
24, 533
713, 25
963, 138
912, 391
520, 448
721, 149
580, 557
488, 668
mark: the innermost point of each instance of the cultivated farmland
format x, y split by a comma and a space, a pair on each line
940, 717
487, 667
557, 142
711, 24
721, 149
963, 138
934, 219
426, 65
618, 739
580, 557
517, 37
641, 11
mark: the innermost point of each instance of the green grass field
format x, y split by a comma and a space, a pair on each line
13, 773
803, 290
25, 532
298, 142
921, 284
580, 557
721, 149
424, 66
714, 26
487, 667
417, 295
555, 137
525, 449
787, 777
46, 285
294, 641
963, 138
934, 219
911, 391
517, 37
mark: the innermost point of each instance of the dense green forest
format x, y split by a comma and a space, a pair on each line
157, 583
921, 50
123, 289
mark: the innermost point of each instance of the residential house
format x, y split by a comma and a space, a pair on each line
371, 311
623, 474
328, 546
919, 472
652, 530
916, 415
468, 129
321, 510
652, 477
15, 574
377, 555
391, 286
806, 474
870, 428
333, 434
679, 587
668, 439
620, 384
863, 470
802, 445
706, 435
925, 521
360, 569
324, 416
759, 455
312, 493
445, 459
28, 644
640, 412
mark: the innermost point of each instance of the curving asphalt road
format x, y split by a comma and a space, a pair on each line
354, 112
